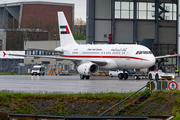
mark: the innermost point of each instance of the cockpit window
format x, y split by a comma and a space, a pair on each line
143, 52
150, 52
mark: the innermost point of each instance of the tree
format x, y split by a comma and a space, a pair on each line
39, 25
79, 26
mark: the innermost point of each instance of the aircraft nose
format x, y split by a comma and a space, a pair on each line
152, 60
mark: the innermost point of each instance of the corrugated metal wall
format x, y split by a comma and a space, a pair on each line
167, 37
103, 9
167, 32
102, 20
124, 32
102, 29
145, 29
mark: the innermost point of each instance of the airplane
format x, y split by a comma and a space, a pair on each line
89, 58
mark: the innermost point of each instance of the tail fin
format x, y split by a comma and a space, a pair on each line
147, 42
66, 37
4, 54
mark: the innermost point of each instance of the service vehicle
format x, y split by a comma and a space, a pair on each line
167, 72
38, 70
102, 73
141, 74
118, 73
63, 72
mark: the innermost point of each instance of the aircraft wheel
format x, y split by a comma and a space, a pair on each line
110, 75
125, 76
150, 76
136, 77
87, 77
82, 76
156, 77
121, 76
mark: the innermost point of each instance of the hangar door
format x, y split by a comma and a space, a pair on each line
102, 30
124, 32
103, 9
167, 32
167, 37
145, 29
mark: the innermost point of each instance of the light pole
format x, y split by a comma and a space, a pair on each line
55, 35
56, 45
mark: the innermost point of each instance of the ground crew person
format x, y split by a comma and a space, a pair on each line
177, 72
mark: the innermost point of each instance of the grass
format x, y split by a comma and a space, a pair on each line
12, 73
56, 103
89, 103
49, 95
79, 36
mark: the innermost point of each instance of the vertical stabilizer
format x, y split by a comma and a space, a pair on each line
66, 37
147, 42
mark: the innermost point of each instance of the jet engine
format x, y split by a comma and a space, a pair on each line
88, 69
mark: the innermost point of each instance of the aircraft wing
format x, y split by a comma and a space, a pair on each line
49, 57
97, 61
55, 51
166, 56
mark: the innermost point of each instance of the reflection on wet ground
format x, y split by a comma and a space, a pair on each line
69, 84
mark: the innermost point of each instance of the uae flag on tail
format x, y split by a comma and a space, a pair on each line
64, 29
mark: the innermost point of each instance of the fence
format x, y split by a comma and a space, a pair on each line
10, 65
14, 116
18, 66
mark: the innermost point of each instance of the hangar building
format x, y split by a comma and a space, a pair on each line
26, 18
130, 21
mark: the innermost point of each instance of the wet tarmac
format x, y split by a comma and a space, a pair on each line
69, 84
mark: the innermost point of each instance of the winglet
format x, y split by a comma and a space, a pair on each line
175, 54
4, 54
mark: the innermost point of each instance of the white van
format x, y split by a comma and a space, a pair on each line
118, 73
38, 70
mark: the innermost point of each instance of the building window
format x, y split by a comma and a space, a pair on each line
124, 10
145, 10
167, 11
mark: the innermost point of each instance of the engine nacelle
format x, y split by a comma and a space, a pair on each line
88, 69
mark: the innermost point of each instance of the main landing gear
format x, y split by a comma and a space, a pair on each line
123, 75
84, 76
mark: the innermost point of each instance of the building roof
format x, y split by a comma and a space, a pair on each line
35, 2
12, 52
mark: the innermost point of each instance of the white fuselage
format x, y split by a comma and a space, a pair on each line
117, 56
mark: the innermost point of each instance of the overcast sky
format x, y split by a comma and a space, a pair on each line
80, 5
